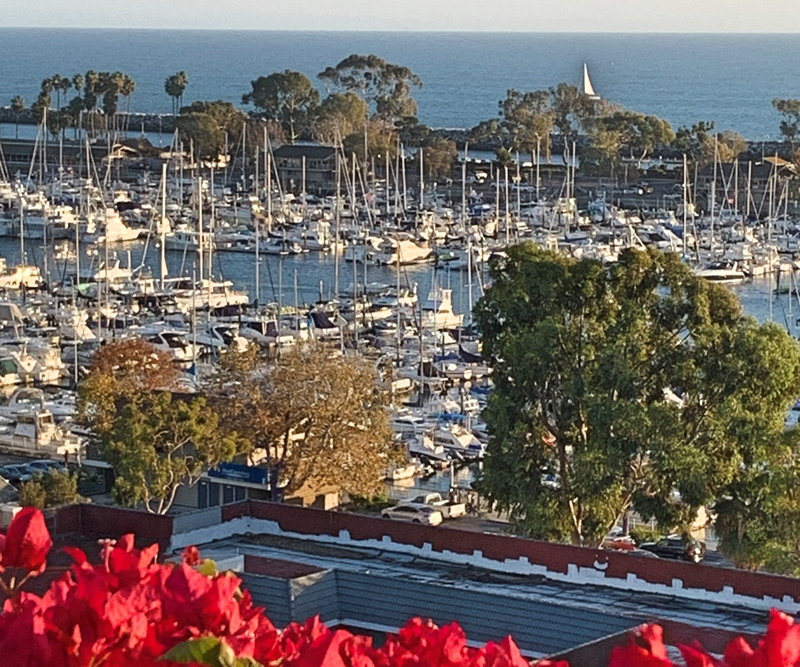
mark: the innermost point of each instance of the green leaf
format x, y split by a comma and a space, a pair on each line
209, 651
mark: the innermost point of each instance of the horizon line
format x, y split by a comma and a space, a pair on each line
402, 30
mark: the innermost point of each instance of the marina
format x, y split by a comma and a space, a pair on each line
194, 266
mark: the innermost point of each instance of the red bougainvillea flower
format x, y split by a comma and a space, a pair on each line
27, 541
644, 649
130, 610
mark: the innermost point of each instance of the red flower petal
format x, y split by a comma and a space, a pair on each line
27, 541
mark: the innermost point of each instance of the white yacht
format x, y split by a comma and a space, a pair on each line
437, 311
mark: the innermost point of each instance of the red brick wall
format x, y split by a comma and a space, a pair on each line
113, 522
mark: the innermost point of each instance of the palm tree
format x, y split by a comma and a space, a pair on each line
77, 82
61, 84
174, 87
126, 90
91, 84
76, 105
17, 107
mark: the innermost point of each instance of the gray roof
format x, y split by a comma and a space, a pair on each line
539, 627
310, 151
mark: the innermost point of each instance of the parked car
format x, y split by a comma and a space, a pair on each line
422, 514
449, 510
641, 553
45, 465
16, 473
675, 546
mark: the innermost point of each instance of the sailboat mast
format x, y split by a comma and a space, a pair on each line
421, 180
714, 192
464, 216
163, 223
507, 221
21, 229
685, 203
200, 227
538, 161
336, 214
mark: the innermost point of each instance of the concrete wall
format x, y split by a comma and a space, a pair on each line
184, 523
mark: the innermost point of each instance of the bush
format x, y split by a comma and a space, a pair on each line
374, 503
643, 534
32, 494
50, 489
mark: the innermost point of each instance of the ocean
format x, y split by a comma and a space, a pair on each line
730, 79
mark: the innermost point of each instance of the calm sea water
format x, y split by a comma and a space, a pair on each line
685, 78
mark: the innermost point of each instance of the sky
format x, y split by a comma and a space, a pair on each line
758, 16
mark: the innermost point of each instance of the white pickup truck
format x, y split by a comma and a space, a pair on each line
448, 509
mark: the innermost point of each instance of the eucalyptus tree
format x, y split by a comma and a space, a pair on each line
287, 97
632, 386
386, 87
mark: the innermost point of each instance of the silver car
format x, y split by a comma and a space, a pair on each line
414, 513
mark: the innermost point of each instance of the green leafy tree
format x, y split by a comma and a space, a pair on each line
438, 158
758, 516
528, 119
790, 118
155, 443
572, 110
631, 386
691, 140
412, 133
126, 89
604, 150
160, 444
640, 133
381, 141
386, 87
77, 82
111, 84
205, 125
61, 84
74, 111
122, 372
491, 130
339, 115
174, 86
729, 145
17, 107
287, 97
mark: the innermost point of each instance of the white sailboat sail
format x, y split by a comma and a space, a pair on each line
588, 89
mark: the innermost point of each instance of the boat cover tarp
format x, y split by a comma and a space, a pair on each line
321, 320
469, 357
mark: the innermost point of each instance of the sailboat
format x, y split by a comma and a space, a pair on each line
588, 89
